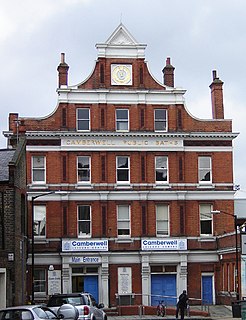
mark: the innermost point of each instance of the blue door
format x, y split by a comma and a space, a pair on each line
207, 289
163, 285
91, 286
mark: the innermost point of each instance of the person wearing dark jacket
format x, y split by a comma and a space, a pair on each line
182, 305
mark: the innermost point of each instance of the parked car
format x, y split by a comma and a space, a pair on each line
85, 303
27, 312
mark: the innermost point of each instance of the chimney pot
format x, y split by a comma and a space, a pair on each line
62, 71
217, 97
168, 73
214, 74
62, 57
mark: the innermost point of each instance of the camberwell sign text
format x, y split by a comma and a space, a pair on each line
84, 245
164, 244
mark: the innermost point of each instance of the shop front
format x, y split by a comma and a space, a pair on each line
164, 270
85, 268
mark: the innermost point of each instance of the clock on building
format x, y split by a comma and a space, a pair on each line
121, 74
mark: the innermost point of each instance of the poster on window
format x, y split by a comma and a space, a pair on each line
124, 280
54, 281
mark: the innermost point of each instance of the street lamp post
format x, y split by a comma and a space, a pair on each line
236, 247
32, 237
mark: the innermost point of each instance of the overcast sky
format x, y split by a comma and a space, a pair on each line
198, 35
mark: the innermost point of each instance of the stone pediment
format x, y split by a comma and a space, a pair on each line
121, 36
121, 44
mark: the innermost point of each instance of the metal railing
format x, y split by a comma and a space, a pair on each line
195, 303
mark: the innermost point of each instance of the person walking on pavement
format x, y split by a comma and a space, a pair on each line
182, 305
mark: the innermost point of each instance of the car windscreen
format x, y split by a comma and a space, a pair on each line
59, 301
76, 301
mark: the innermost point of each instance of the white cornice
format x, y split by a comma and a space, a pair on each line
132, 195
126, 149
164, 97
126, 141
89, 135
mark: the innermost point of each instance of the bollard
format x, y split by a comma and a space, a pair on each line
140, 311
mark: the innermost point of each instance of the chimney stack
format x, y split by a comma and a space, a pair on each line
62, 72
168, 73
217, 97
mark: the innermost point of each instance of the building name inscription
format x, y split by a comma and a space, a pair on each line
119, 142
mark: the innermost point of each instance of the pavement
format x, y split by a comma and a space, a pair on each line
216, 312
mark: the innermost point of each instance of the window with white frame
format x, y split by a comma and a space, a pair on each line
39, 221
123, 169
206, 219
84, 221
123, 220
205, 169
162, 220
83, 169
161, 169
83, 119
40, 281
122, 120
38, 169
160, 120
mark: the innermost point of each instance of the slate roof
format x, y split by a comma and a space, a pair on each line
6, 155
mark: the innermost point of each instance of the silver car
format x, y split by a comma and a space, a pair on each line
27, 312
87, 307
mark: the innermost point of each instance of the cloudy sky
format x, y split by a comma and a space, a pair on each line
198, 35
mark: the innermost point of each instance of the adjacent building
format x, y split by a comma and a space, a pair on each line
122, 182
13, 226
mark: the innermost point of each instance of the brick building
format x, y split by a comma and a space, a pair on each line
139, 177
13, 244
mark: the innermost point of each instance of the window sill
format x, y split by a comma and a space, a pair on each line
38, 239
206, 238
38, 185
83, 186
84, 236
208, 185
162, 186
123, 240
123, 186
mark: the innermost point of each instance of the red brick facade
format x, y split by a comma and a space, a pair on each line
164, 209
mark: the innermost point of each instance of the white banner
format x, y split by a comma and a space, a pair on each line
84, 245
164, 244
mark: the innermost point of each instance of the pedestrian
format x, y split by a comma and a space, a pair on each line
182, 305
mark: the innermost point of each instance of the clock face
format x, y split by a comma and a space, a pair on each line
121, 74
